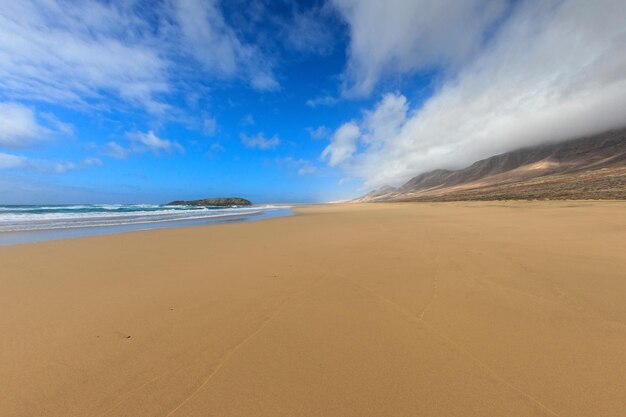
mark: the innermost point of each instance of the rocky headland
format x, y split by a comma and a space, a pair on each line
218, 202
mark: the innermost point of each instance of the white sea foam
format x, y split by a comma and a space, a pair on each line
34, 218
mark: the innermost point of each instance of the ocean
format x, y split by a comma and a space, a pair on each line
30, 223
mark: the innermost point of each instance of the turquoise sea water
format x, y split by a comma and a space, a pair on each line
21, 224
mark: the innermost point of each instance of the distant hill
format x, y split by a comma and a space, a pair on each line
592, 167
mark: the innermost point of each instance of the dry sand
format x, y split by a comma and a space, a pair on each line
455, 309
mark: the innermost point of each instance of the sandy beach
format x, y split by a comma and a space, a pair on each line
418, 309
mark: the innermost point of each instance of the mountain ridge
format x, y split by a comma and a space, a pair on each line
590, 167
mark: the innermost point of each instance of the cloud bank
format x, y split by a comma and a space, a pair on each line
553, 70
398, 36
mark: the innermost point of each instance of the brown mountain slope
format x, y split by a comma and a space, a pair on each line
587, 168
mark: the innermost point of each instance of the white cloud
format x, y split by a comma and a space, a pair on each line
259, 141
58, 126
398, 36
296, 166
56, 52
386, 120
215, 150
209, 126
92, 162
117, 151
343, 144
86, 52
306, 168
247, 120
325, 100
217, 147
320, 132
307, 31
10, 161
59, 167
19, 127
141, 141
209, 39
554, 70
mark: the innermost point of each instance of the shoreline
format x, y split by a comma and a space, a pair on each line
10, 238
287, 210
348, 310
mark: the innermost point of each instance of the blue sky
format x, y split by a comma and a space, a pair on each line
279, 101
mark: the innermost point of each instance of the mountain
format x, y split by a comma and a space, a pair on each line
592, 167
216, 202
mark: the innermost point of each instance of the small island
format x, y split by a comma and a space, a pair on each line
219, 202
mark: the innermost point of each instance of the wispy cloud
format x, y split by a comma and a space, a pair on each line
247, 120
554, 70
92, 162
209, 126
296, 166
88, 52
205, 35
10, 161
20, 126
325, 100
151, 142
217, 147
117, 151
215, 150
309, 31
259, 141
141, 142
54, 52
317, 133
56, 125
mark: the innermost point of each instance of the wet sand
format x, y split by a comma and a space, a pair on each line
442, 309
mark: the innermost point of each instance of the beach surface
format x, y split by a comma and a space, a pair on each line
418, 309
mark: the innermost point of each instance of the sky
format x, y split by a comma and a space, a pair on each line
134, 101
